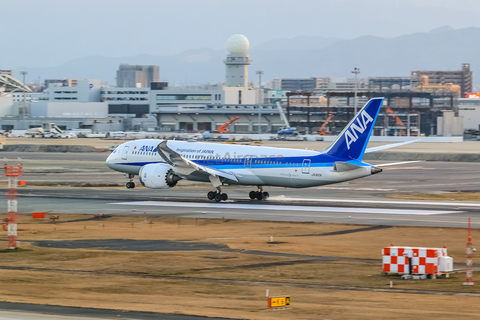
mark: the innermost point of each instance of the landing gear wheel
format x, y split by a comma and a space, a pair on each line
224, 197
218, 197
211, 195
252, 195
259, 195
266, 195
130, 185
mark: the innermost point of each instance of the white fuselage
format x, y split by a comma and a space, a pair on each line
252, 165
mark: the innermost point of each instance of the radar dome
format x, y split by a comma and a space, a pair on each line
238, 44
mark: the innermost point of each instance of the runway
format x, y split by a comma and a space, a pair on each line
362, 201
251, 207
190, 202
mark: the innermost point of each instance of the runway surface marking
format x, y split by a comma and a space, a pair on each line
421, 203
355, 189
280, 208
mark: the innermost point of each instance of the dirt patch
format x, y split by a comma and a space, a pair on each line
229, 277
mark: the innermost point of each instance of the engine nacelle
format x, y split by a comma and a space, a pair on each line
158, 176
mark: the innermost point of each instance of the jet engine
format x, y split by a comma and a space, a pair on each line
158, 176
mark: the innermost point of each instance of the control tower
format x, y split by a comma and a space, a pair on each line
237, 61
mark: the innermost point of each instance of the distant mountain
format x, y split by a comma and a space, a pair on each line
441, 49
191, 66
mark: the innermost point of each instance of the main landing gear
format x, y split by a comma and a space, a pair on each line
130, 184
259, 195
217, 195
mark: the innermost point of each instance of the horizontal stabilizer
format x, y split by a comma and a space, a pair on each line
398, 163
344, 166
388, 146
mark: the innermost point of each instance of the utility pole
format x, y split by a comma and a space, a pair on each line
355, 71
259, 72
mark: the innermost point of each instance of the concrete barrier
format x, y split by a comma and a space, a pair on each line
47, 148
315, 137
393, 139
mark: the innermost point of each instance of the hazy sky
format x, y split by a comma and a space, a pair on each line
43, 33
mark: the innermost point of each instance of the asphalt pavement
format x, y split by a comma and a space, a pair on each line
30, 311
362, 201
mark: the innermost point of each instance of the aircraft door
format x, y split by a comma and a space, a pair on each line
306, 166
124, 152
248, 161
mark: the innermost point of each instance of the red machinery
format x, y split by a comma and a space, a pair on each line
224, 127
324, 126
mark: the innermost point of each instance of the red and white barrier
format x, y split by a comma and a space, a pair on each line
423, 260
12, 172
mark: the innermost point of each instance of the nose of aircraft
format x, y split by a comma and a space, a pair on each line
109, 160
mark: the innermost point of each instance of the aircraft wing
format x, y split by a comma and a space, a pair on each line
184, 166
388, 146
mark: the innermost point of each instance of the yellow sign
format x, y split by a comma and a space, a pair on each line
278, 301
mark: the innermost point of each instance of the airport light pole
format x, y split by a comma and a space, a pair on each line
24, 73
355, 71
259, 72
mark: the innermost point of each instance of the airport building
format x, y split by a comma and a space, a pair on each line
303, 84
206, 107
469, 109
462, 78
136, 76
14, 95
60, 82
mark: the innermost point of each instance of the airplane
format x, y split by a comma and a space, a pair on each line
160, 164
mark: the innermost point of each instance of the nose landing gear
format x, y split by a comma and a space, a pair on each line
130, 184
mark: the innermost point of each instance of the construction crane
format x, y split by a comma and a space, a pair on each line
324, 126
398, 122
224, 127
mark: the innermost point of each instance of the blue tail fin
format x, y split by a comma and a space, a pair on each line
353, 140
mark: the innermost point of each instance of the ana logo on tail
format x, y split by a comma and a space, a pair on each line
351, 135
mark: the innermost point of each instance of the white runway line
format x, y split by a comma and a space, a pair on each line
280, 208
354, 189
420, 203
